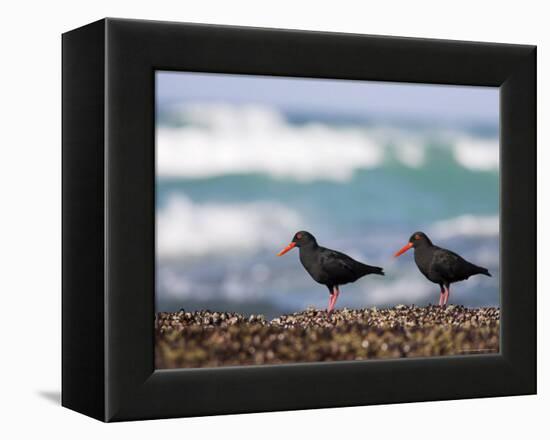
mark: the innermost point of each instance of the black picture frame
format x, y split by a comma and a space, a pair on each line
108, 219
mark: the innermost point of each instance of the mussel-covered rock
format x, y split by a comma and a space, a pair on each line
207, 339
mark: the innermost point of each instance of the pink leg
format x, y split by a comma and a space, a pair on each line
447, 292
336, 295
330, 303
441, 298
333, 298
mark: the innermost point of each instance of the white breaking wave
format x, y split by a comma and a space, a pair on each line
250, 139
411, 154
476, 154
466, 225
221, 139
189, 229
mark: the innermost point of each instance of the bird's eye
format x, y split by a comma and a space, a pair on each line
298, 236
417, 237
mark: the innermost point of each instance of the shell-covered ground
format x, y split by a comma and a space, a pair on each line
212, 339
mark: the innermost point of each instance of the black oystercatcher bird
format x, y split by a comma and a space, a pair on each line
439, 265
328, 267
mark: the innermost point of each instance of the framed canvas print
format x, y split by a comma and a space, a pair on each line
261, 219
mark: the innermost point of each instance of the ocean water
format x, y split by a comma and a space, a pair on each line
235, 182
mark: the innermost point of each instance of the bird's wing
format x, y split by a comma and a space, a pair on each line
337, 264
448, 264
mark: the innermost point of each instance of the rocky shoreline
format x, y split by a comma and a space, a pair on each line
212, 339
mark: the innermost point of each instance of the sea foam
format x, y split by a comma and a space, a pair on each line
219, 139
466, 225
189, 229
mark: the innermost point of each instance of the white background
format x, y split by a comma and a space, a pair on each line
30, 219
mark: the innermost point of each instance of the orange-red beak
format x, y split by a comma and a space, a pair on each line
403, 249
285, 250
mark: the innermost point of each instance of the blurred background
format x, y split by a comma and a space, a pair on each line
243, 162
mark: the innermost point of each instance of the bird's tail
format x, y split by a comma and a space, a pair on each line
373, 269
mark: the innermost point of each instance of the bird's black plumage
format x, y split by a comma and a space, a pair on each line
329, 267
440, 266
